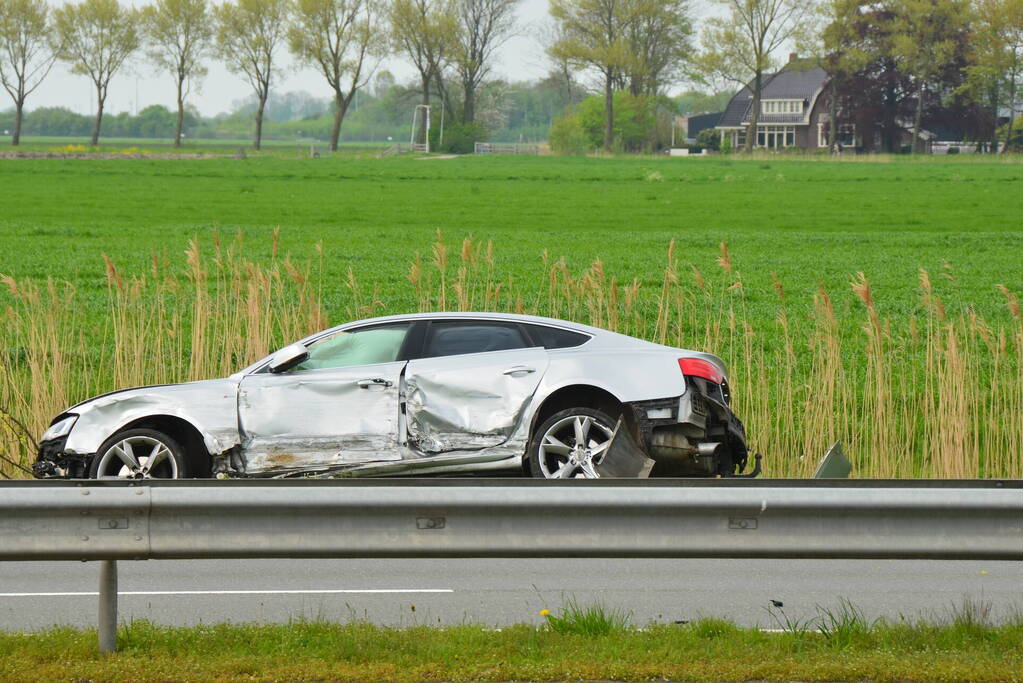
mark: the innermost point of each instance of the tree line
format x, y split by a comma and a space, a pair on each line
888, 61
344, 40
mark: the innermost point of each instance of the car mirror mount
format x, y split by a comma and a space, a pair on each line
288, 357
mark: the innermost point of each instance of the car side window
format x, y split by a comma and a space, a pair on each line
556, 338
456, 338
380, 344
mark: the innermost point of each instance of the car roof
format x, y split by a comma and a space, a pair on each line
504, 317
603, 338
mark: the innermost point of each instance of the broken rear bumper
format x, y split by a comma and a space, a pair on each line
693, 435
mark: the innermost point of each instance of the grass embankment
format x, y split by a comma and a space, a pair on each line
873, 302
839, 647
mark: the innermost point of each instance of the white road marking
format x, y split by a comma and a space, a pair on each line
313, 591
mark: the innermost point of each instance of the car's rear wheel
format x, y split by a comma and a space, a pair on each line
139, 454
571, 444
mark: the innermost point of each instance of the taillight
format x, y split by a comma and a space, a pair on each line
697, 367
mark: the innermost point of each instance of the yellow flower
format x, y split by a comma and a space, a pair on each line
544, 612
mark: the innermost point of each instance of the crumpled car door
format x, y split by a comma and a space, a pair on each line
318, 419
469, 402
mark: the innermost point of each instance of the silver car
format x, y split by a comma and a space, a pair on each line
440, 393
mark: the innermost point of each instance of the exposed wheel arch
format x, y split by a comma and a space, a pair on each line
573, 396
200, 464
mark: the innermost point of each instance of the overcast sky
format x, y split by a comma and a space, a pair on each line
138, 85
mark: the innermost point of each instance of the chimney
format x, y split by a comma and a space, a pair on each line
793, 56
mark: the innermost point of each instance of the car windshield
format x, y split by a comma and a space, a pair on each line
356, 347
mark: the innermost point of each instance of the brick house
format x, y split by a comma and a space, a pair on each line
792, 111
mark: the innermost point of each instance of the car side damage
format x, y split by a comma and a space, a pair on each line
443, 393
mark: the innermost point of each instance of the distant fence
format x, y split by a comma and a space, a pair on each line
397, 148
506, 148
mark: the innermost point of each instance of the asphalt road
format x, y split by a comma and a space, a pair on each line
35, 595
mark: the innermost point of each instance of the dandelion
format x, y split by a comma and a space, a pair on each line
544, 612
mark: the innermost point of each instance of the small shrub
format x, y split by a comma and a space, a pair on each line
592, 620
843, 626
709, 138
711, 628
459, 138
567, 136
971, 619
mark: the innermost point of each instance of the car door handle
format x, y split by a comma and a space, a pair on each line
519, 370
375, 382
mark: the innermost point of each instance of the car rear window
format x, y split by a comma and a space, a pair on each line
455, 338
555, 338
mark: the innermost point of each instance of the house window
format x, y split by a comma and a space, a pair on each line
781, 106
847, 134
776, 137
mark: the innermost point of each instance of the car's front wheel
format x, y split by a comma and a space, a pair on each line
139, 454
571, 444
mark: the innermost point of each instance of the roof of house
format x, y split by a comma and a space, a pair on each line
700, 122
797, 80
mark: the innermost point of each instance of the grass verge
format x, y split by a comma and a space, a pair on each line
706, 650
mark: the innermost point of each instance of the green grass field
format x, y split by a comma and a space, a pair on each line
918, 370
810, 222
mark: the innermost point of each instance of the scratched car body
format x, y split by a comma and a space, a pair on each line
440, 393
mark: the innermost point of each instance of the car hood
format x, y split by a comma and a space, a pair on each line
208, 387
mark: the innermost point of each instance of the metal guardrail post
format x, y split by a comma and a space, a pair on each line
108, 606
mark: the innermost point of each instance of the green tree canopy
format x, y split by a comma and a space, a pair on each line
96, 37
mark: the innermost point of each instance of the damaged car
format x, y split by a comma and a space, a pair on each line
438, 394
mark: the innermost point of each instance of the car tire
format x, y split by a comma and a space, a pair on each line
553, 451
115, 458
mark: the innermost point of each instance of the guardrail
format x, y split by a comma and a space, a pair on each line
110, 521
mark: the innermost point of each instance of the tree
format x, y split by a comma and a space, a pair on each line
424, 30
483, 26
561, 73
178, 32
593, 34
338, 37
998, 56
248, 35
96, 37
659, 35
26, 53
925, 33
741, 45
829, 36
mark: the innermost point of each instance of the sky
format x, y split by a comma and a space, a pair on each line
139, 85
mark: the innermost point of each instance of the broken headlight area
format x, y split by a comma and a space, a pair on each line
693, 435
53, 463
59, 429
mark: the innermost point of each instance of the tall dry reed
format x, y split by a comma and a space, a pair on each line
930, 395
